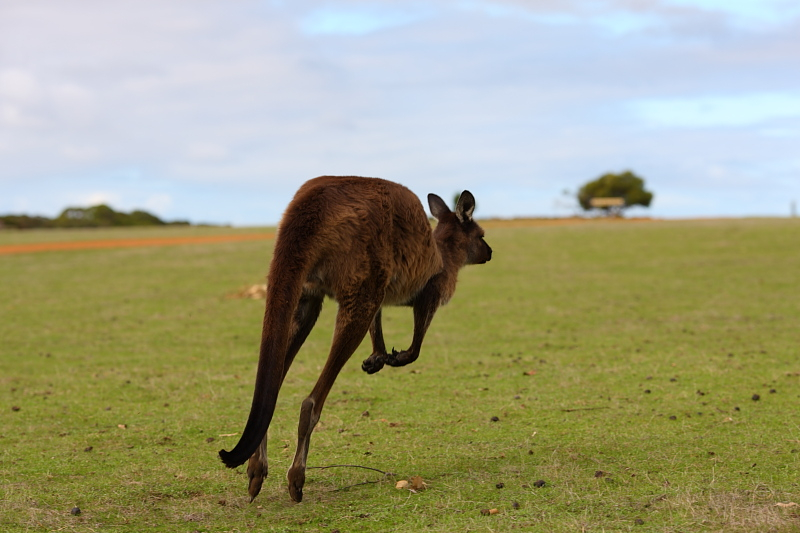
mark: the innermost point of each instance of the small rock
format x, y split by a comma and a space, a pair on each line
75, 511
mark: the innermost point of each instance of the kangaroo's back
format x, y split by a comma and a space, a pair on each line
356, 227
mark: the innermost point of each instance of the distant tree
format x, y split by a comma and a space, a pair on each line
87, 217
143, 218
614, 192
25, 222
104, 216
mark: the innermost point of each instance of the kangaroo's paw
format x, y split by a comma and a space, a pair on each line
373, 363
256, 472
401, 358
297, 478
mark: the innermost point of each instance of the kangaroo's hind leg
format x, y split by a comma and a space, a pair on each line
304, 319
352, 323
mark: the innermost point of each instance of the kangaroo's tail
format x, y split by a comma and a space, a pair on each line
287, 274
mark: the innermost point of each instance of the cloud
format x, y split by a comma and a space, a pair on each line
18, 85
84, 153
225, 108
751, 14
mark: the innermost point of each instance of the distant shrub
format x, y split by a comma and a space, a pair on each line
97, 216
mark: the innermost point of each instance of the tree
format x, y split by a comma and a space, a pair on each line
104, 216
614, 192
87, 217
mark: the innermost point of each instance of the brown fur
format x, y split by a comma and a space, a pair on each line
365, 242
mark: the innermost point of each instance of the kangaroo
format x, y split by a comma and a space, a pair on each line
365, 242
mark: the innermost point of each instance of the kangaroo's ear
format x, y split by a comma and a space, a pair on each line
438, 207
465, 207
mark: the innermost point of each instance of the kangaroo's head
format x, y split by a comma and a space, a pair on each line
457, 234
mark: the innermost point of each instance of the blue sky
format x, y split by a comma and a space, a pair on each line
217, 111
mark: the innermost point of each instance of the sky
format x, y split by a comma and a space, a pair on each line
217, 111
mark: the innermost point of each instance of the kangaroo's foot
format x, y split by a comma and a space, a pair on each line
256, 472
373, 363
401, 358
297, 478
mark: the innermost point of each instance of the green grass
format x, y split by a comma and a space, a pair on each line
620, 359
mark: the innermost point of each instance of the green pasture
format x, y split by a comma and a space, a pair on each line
640, 376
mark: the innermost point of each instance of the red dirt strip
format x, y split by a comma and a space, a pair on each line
128, 243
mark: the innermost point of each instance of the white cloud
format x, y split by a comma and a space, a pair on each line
73, 103
18, 85
83, 153
759, 14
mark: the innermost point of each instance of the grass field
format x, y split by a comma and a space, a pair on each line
647, 373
